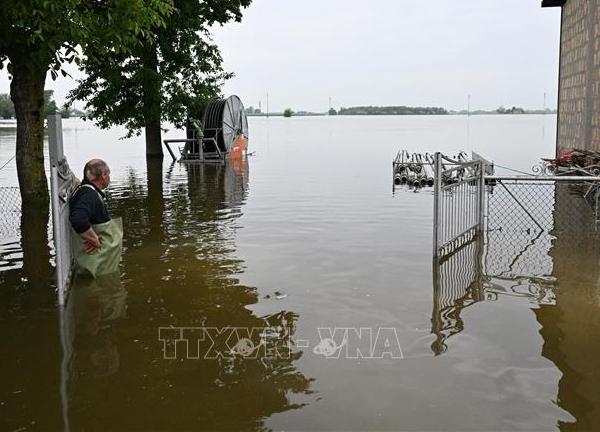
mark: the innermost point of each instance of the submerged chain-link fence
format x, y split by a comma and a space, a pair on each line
10, 213
525, 217
533, 227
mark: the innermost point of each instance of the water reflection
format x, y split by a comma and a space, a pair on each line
179, 270
457, 283
525, 222
551, 258
34, 245
28, 325
571, 326
155, 202
93, 306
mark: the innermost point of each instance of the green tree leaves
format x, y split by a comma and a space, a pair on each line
49, 103
7, 109
175, 68
37, 36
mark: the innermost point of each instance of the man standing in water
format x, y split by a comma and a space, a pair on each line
87, 205
97, 239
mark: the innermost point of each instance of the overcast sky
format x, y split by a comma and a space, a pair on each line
388, 52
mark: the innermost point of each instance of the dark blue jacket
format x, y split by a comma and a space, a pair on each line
87, 207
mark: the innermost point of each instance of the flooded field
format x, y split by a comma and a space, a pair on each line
307, 243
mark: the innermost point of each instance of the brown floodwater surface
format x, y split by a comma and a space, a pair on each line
307, 288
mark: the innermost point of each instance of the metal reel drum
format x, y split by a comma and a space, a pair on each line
226, 121
235, 122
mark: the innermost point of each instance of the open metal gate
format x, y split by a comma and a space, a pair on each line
62, 182
459, 197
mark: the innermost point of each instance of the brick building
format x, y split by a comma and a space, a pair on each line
579, 74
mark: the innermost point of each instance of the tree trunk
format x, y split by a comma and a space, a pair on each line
151, 88
155, 203
34, 245
27, 94
153, 140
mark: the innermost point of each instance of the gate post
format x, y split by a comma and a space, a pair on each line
61, 182
437, 211
481, 200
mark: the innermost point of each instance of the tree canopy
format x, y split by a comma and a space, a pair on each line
37, 36
49, 103
49, 33
174, 71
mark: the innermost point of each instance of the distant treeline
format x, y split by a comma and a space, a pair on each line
502, 110
392, 110
7, 109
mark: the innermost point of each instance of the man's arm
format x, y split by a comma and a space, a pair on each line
91, 241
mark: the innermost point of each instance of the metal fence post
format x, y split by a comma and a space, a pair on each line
55, 153
55, 138
57, 235
481, 191
437, 190
61, 181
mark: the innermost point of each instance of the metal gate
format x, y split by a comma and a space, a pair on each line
459, 197
62, 182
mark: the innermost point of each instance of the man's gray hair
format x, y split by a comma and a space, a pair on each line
94, 169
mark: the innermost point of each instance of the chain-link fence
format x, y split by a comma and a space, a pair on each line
531, 224
10, 213
524, 217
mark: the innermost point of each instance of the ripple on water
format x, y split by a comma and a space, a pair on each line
11, 255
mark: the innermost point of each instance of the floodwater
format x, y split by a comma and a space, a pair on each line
307, 243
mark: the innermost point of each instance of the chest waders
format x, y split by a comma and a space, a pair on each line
107, 258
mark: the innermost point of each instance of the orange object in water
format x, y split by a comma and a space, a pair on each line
240, 145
